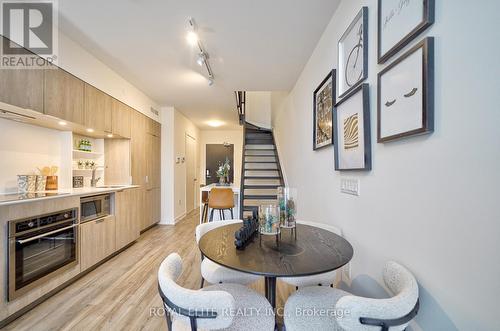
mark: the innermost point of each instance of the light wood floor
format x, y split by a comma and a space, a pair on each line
120, 294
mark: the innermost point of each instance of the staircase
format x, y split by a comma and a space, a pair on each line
261, 172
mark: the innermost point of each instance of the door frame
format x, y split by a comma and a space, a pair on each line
195, 188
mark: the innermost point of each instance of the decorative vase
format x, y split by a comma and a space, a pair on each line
287, 199
269, 220
22, 183
51, 184
222, 180
41, 181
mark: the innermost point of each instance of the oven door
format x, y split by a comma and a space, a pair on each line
94, 207
37, 257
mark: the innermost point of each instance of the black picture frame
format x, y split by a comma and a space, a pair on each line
365, 90
427, 127
427, 21
333, 76
363, 15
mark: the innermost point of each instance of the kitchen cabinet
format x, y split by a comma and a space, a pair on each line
63, 95
97, 109
138, 148
22, 87
153, 127
127, 216
120, 118
153, 207
153, 161
97, 240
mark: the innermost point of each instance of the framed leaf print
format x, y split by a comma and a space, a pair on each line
399, 22
324, 99
352, 142
406, 94
353, 54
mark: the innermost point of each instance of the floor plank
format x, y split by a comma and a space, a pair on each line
120, 294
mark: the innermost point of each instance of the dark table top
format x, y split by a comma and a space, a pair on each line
314, 251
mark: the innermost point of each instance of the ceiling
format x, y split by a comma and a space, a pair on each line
259, 45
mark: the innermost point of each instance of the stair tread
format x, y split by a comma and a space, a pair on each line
260, 197
264, 177
262, 169
260, 187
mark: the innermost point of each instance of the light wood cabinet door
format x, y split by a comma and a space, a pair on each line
63, 96
121, 118
127, 217
97, 241
153, 207
153, 161
139, 149
97, 109
22, 88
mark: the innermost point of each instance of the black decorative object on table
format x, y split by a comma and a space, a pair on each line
246, 233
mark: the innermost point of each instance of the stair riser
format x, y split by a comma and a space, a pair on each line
253, 147
256, 203
261, 191
265, 173
257, 152
260, 159
249, 165
262, 182
258, 136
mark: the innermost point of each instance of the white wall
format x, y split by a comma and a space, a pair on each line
258, 108
25, 147
234, 137
74, 58
182, 127
167, 165
430, 202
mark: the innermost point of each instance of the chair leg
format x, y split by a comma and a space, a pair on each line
204, 213
232, 215
211, 215
202, 282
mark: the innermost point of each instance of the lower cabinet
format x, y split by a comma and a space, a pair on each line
98, 241
153, 207
127, 213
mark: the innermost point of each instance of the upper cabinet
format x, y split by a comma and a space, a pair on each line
153, 127
121, 118
98, 108
22, 88
64, 94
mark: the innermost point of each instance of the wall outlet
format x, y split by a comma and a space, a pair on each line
349, 186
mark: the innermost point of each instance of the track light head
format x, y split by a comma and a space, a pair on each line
202, 58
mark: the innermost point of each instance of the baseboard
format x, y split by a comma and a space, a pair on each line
180, 217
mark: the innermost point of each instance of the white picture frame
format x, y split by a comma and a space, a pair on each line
353, 54
405, 93
352, 134
399, 22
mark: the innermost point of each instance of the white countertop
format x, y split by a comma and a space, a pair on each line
84, 191
234, 187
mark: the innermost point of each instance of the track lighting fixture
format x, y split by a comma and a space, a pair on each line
202, 58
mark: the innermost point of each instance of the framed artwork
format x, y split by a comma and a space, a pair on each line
399, 22
353, 54
324, 99
406, 94
352, 142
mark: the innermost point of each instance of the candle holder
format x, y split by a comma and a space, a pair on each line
287, 199
269, 221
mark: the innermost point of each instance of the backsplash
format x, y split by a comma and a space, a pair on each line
25, 147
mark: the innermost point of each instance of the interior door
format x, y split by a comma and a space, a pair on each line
216, 155
191, 180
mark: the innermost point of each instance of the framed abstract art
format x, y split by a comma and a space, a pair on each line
323, 101
352, 141
406, 94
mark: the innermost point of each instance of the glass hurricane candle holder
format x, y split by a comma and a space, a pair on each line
269, 220
287, 200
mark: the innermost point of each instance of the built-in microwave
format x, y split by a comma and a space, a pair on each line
95, 207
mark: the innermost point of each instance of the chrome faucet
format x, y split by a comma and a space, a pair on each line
93, 180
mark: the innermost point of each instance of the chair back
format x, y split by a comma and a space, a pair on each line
383, 314
203, 309
204, 197
221, 198
205, 227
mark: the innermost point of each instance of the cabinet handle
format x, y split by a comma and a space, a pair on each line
99, 221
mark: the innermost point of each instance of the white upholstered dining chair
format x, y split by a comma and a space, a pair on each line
345, 311
323, 279
214, 307
215, 273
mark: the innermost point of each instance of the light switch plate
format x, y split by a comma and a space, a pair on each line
349, 186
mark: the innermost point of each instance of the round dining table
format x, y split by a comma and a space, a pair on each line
312, 251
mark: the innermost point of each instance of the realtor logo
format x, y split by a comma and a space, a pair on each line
29, 28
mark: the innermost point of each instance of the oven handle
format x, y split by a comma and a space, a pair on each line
45, 234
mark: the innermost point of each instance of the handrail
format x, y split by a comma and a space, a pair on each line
241, 105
